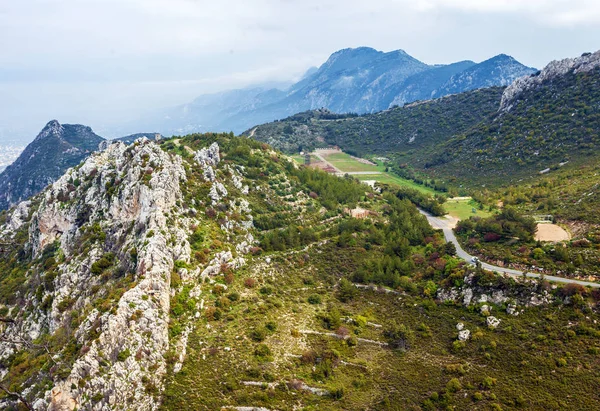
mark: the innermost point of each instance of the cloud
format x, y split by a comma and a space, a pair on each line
91, 57
550, 12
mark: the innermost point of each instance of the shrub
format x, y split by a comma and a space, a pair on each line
399, 337
212, 314
346, 291
123, 355
263, 351
453, 385
250, 282
266, 290
258, 334
488, 382
233, 296
102, 264
314, 299
271, 326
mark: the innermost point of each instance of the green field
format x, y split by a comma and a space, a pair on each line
347, 164
300, 159
463, 209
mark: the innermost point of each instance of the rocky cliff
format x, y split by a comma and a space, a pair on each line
103, 241
557, 68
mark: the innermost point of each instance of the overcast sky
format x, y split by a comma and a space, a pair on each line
100, 62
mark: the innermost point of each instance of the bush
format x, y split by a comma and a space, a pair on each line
123, 355
453, 385
399, 337
102, 264
263, 351
271, 326
258, 334
249, 282
488, 382
233, 296
346, 291
266, 290
314, 299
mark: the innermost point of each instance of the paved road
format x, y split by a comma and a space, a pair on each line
444, 224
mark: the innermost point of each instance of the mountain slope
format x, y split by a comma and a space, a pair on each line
53, 151
422, 86
500, 70
545, 119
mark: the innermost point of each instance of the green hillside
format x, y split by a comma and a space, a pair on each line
556, 122
412, 128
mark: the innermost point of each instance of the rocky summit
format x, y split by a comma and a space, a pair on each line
56, 148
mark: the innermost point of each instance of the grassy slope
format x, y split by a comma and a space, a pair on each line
525, 362
521, 358
346, 163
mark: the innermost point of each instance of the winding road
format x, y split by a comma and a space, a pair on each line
446, 226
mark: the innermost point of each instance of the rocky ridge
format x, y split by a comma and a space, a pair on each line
119, 226
585, 63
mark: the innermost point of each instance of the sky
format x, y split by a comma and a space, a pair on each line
103, 62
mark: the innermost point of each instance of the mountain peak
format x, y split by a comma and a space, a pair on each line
502, 59
56, 148
53, 128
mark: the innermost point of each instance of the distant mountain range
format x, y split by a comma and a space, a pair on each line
359, 80
491, 135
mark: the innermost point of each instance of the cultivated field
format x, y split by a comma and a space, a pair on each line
348, 164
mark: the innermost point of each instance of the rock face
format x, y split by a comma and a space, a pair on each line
54, 150
125, 195
587, 62
104, 240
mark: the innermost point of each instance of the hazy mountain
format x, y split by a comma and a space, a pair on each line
500, 70
56, 148
359, 80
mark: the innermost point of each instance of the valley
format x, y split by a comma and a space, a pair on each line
411, 257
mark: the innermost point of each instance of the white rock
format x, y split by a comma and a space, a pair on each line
464, 335
492, 322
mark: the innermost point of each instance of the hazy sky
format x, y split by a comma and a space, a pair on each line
100, 62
